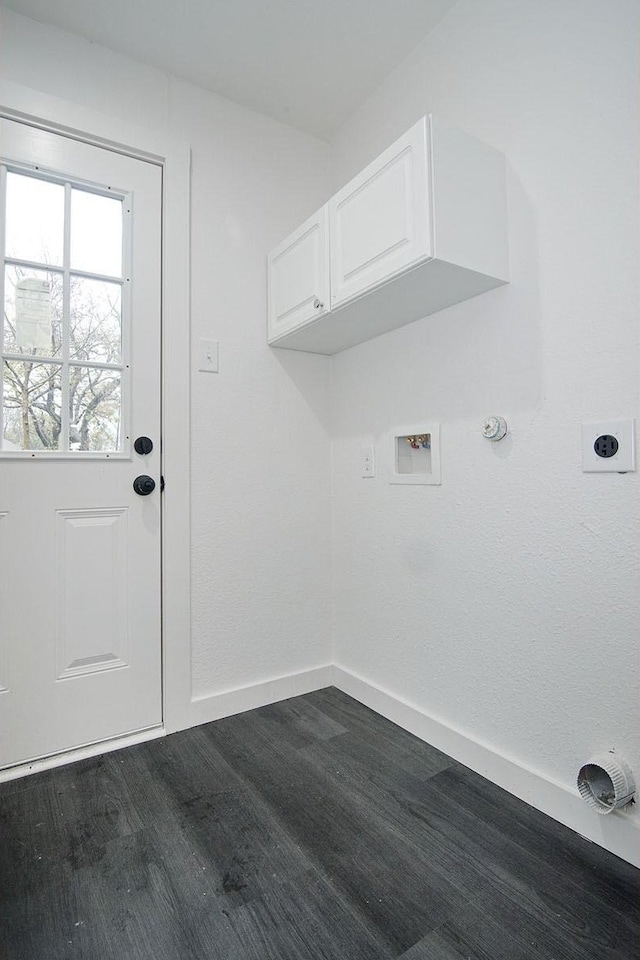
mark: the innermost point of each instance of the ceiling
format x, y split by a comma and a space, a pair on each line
310, 63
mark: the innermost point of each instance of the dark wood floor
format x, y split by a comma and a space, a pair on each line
308, 829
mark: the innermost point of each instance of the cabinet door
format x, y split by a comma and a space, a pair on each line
299, 277
380, 223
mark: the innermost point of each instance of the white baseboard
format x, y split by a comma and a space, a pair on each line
207, 707
201, 710
618, 832
79, 753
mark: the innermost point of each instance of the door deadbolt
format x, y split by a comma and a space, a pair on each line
144, 485
143, 445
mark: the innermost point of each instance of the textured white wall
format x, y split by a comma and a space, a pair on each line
260, 444
505, 602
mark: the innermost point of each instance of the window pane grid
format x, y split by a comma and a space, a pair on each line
32, 405
66, 315
57, 360
33, 265
3, 194
49, 268
63, 392
33, 208
22, 284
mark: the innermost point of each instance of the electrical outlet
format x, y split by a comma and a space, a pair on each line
368, 462
609, 446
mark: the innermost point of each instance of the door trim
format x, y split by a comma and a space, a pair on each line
72, 120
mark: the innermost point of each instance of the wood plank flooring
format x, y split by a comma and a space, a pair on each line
311, 829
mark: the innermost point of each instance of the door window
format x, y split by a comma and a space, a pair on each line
64, 369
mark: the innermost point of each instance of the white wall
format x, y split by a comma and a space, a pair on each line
505, 602
260, 446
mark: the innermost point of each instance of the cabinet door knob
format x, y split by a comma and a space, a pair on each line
318, 304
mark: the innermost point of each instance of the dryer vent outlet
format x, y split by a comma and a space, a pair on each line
606, 782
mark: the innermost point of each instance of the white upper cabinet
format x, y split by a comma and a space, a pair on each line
380, 223
421, 228
299, 277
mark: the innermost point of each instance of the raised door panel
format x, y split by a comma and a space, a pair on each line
299, 277
380, 223
91, 563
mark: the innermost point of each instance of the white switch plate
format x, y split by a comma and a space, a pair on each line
208, 355
623, 461
368, 462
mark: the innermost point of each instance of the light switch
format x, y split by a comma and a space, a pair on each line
208, 356
368, 462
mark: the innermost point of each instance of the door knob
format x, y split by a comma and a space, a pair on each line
144, 485
143, 445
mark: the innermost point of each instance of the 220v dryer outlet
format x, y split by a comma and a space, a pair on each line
609, 446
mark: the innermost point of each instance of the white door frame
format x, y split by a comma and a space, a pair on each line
60, 116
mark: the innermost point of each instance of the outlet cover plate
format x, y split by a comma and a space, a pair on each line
623, 461
368, 461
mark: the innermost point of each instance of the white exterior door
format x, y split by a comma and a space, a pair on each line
380, 222
80, 241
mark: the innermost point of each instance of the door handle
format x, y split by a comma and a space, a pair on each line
144, 485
